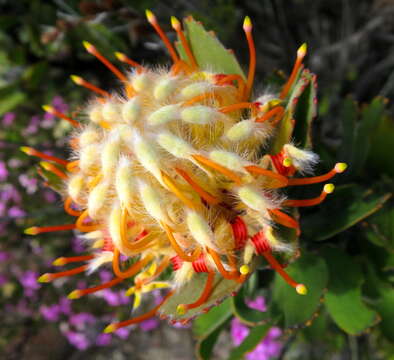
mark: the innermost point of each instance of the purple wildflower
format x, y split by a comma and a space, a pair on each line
81, 320
123, 333
29, 183
8, 119
149, 324
3, 279
29, 282
3, 171
78, 340
50, 313
103, 339
268, 348
16, 212
10, 193
4, 256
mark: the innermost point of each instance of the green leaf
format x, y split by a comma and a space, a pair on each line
382, 142
380, 228
207, 323
385, 309
10, 101
348, 115
190, 292
209, 53
34, 74
372, 115
306, 112
348, 205
204, 346
246, 314
255, 336
343, 299
309, 270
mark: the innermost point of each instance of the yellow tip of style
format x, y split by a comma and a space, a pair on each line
181, 309
74, 295
150, 16
31, 230
88, 46
77, 79
44, 278
244, 269
247, 24
287, 162
120, 56
59, 262
45, 165
329, 188
301, 289
109, 329
48, 108
340, 167
301, 52
175, 23
25, 149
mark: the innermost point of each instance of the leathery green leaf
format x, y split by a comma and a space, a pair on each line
207, 323
305, 113
348, 205
309, 270
385, 308
190, 292
246, 314
304, 109
204, 347
343, 299
209, 53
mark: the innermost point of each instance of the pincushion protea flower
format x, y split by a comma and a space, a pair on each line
171, 172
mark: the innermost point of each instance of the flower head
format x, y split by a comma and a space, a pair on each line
170, 171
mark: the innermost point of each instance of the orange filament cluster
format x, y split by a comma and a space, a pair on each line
195, 207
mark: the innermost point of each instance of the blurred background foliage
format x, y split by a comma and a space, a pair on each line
351, 49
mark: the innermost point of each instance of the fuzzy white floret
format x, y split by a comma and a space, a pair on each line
165, 88
111, 112
131, 110
255, 199
152, 202
114, 225
97, 199
142, 81
200, 114
110, 154
200, 229
183, 274
75, 186
95, 114
175, 145
146, 155
303, 160
228, 159
241, 130
100, 259
125, 183
89, 136
164, 115
88, 157
196, 89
